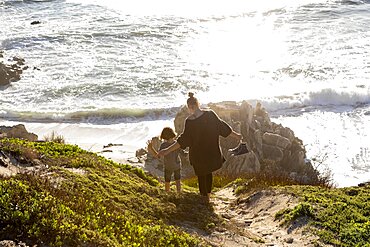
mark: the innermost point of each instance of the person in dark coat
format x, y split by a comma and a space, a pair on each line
201, 134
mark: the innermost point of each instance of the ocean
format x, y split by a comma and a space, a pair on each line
118, 71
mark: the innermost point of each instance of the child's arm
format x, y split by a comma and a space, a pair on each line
168, 150
152, 150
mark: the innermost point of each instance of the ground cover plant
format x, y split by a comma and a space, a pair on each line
77, 198
341, 216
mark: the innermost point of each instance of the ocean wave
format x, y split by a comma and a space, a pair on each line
352, 2
324, 98
17, 2
101, 116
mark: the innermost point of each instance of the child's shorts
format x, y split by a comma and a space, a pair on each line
168, 175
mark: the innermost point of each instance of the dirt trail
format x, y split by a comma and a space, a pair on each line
250, 221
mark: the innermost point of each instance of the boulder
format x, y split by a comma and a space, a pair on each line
258, 142
273, 153
276, 140
242, 164
179, 121
285, 132
18, 131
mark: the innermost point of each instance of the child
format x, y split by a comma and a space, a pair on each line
172, 163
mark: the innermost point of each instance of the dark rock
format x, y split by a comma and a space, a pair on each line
289, 240
11, 72
364, 184
4, 160
35, 22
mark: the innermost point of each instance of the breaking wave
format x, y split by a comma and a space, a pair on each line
325, 98
100, 116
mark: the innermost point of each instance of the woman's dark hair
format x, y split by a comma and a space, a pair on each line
192, 100
167, 133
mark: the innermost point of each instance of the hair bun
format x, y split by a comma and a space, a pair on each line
191, 95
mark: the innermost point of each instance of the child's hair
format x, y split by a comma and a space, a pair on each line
192, 100
167, 133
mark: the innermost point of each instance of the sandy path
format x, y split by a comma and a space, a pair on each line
250, 221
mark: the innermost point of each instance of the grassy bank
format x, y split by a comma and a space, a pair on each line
71, 197
339, 216
76, 198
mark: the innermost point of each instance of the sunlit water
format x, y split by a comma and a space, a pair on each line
109, 71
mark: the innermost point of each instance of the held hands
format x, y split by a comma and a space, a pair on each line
162, 153
168, 150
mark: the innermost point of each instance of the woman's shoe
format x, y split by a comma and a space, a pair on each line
240, 149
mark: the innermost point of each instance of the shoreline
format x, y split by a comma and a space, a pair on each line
127, 138
123, 139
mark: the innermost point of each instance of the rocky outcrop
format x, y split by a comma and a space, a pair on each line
12, 71
17, 131
274, 149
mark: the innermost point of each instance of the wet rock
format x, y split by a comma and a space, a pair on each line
35, 22
12, 71
364, 184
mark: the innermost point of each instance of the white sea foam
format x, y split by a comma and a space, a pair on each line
337, 141
325, 98
129, 136
194, 7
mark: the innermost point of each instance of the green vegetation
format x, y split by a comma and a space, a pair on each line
303, 209
77, 198
339, 216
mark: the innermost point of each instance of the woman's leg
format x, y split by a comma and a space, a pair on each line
205, 184
209, 180
202, 185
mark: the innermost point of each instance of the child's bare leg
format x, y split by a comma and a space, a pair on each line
178, 186
167, 186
